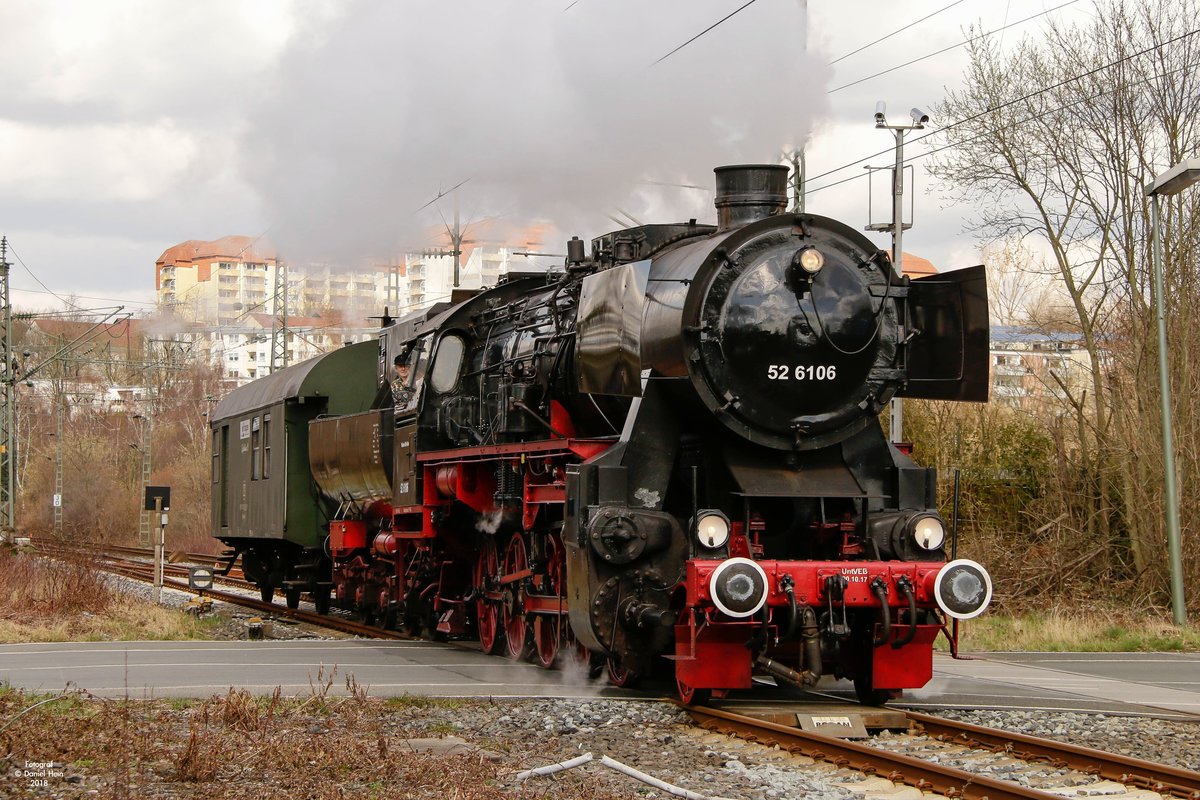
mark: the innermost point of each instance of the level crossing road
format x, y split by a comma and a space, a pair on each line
1161, 684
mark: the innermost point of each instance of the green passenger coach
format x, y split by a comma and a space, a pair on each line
264, 504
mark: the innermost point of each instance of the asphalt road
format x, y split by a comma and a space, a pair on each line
1161, 684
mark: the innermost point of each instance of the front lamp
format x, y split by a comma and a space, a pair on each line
712, 529
928, 532
811, 260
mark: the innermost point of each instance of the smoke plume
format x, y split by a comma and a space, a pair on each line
548, 112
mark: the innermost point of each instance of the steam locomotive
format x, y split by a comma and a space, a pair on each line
666, 455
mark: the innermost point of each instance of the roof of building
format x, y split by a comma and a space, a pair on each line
268, 320
239, 248
916, 267
70, 329
1024, 334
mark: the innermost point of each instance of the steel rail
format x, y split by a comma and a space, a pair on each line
145, 572
925, 775
1161, 778
113, 552
93, 546
139, 572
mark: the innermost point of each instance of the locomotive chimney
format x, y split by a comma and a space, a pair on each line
750, 192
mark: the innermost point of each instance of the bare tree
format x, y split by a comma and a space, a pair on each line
1020, 286
1056, 142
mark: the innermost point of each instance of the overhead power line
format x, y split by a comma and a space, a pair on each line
442, 194
1004, 105
951, 47
706, 30
893, 33
1020, 122
60, 298
87, 297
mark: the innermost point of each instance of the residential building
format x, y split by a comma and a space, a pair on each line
1031, 367
225, 290
214, 282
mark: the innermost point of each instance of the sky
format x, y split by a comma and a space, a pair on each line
128, 126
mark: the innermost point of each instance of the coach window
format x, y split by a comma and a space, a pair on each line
216, 457
255, 450
224, 493
447, 363
266, 437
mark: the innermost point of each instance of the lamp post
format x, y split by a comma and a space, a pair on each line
1173, 181
897, 226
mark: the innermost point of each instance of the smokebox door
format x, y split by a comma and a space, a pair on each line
948, 358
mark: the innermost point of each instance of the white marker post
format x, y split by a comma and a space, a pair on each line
158, 500
159, 542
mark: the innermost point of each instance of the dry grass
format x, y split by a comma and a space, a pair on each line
51, 600
314, 747
1074, 630
53, 587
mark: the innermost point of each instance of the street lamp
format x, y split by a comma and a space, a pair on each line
1173, 181
897, 226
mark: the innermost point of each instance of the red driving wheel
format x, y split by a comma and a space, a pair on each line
487, 609
547, 628
516, 559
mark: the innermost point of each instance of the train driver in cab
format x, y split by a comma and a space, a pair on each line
403, 392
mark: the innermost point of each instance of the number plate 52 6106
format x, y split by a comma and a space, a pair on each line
785, 372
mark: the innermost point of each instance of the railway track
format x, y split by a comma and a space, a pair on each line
903, 767
1161, 778
929, 775
114, 560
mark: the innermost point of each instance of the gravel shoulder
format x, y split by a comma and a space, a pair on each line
320, 746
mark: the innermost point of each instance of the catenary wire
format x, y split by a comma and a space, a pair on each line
86, 297
706, 30
951, 47
934, 150
1006, 104
20, 260
893, 33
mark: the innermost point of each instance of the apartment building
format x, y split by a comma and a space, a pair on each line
214, 282
226, 290
1032, 367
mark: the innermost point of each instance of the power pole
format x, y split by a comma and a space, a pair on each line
455, 233
456, 238
392, 281
60, 404
8, 414
146, 523
897, 227
798, 168
279, 321
456, 241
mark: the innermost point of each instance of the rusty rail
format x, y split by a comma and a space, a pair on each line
1161, 778
925, 775
144, 571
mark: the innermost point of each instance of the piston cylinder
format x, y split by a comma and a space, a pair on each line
385, 544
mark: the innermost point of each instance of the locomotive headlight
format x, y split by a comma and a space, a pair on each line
928, 532
738, 587
962, 589
712, 529
811, 260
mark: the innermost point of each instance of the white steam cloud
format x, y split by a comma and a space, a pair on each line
490, 521
550, 114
